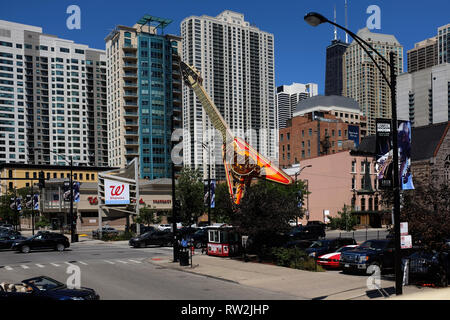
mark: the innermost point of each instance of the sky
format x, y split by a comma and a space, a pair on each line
299, 48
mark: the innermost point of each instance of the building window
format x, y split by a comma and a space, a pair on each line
370, 204
92, 177
55, 175
281, 137
354, 166
363, 204
362, 183
288, 136
27, 175
353, 183
376, 203
81, 176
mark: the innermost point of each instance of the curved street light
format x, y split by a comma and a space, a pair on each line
314, 19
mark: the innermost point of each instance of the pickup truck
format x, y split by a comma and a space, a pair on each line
370, 252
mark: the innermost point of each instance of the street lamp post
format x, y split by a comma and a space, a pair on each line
297, 174
314, 19
209, 181
72, 221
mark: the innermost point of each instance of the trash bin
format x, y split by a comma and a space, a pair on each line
184, 258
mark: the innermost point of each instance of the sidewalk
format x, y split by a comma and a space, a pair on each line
329, 285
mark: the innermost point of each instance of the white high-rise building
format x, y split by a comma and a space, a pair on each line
52, 99
236, 61
288, 96
364, 82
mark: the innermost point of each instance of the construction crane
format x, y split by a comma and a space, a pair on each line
242, 162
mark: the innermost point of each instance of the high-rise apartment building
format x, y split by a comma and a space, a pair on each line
362, 79
144, 90
444, 44
333, 72
52, 99
423, 94
423, 55
236, 61
288, 96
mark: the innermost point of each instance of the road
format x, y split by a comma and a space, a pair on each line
117, 271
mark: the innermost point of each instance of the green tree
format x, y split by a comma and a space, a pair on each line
189, 192
148, 216
265, 211
224, 209
345, 220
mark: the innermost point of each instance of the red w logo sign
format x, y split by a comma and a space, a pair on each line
117, 190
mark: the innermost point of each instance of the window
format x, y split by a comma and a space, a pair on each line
354, 166
288, 136
310, 132
363, 204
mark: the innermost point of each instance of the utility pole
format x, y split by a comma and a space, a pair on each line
174, 206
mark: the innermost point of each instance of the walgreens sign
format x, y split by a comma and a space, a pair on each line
117, 192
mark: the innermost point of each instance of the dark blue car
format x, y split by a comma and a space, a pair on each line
44, 288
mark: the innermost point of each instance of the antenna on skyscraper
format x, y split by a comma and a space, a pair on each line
335, 28
346, 20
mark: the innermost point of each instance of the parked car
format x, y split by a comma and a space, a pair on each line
200, 238
300, 244
44, 288
331, 260
321, 247
370, 252
6, 241
106, 230
42, 240
430, 265
163, 227
9, 232
311, 232
157, 237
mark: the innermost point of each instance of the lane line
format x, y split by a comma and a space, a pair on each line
83, 263
25, 267
8, 268
39, 265
55, 264
135, 261
124, 262
110, 262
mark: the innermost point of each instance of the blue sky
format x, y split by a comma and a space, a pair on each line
299, 48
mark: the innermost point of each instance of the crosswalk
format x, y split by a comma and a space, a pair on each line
60, 264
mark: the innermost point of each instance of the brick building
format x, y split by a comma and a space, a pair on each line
322, 125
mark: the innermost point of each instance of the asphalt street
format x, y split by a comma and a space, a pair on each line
117, 271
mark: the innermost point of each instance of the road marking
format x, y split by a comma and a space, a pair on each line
135, 261
8, 268
54, 264
83, 263
110, 262
25, 267
39, 265
122, 261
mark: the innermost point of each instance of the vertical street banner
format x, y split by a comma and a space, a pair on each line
76, 191
207, 191
213, 193
384, 154
353, 134
19, 204
404, 156
36, 201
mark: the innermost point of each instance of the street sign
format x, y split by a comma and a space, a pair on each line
406, 242
403, 228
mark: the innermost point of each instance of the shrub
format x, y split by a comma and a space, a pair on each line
120, 237
295, 258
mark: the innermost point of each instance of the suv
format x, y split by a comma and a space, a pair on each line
106, 230
42, 240
370, 252
324, 246
157, 237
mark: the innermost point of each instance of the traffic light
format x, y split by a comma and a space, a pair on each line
41, 179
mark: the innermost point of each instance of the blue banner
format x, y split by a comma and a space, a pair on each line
36, 201
404, 150
353, 134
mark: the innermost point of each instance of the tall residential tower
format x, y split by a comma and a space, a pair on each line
364, 82
288, 96
236, 61
52, 99
144, 90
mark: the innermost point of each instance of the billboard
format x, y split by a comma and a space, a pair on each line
353, 134
117, 192
384, 154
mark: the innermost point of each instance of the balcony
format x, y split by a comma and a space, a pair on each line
131, 133
130, 65
129, 55
131, 114
128, 84
132, 142
130, 94
130, 104
129, 74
